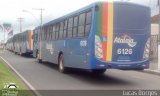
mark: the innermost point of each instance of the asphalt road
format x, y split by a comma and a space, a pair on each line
46, 76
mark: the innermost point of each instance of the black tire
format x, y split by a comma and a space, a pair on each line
62, 68
98, 71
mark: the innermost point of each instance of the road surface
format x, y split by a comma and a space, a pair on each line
46, 76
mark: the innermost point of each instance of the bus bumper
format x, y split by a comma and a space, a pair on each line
130, 66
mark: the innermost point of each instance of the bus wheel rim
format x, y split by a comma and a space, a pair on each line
61, 65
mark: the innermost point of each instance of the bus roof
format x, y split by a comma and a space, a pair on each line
88, 7
70, 14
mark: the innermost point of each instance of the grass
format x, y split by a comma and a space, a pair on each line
7, 76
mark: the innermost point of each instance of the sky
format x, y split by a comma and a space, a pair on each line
13, 9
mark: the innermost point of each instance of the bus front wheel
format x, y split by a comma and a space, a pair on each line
98, 71
62, 68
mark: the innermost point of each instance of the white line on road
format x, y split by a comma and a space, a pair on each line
24, 80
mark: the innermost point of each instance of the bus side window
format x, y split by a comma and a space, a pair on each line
43, 34
75, 26
61, 30
65, 29
25, 36
40, 37
81, 25
70, 27
53, 32
57, 31
38, 31
50, 30
47, 35
88, 23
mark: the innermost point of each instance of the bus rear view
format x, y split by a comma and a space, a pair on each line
124, 38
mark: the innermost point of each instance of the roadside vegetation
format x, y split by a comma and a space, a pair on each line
8, 77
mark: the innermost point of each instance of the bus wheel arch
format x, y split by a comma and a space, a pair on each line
60, 53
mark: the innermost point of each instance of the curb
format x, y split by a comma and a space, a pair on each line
22, 78
155, 72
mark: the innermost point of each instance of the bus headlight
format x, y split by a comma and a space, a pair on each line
146, 50
98, 47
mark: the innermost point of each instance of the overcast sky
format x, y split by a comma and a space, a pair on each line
12, 9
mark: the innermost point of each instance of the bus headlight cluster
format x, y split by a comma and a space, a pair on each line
146, 50
98, 47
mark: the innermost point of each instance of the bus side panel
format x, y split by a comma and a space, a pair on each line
52, 51
26, 43
80, 51
45, 51
75, 54
17, 43
58, 48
